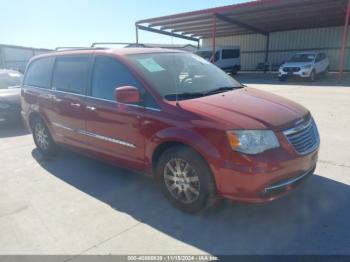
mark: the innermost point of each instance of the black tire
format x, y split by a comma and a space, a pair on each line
282, 78
234, 71
42, 137
325, 73
312, 77
204, 183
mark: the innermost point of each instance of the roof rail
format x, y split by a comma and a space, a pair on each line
58, 49
112, 43
64, 48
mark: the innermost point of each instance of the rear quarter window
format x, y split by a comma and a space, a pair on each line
70, 74
39, 72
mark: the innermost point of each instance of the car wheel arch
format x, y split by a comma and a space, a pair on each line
183, 138
33, 115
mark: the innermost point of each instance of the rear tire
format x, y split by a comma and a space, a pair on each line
186, 179
234, 71
282, 78
325, 73
312, 77
42, 137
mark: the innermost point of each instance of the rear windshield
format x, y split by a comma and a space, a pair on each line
10, 79
302, 58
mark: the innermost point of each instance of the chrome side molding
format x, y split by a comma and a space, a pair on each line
105, 138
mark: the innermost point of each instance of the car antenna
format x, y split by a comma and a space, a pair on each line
177, 101
176, 95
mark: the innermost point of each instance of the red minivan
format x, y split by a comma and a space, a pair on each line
200, 133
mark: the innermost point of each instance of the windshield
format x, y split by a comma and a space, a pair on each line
302, 58
184, 74
10, 79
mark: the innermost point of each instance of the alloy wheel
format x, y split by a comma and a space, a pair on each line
41, 136
181, 180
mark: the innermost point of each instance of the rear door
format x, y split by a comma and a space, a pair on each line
114, 128
36, 92
319, 63
69, 82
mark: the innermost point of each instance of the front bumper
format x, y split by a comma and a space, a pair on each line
302, 73
269, 182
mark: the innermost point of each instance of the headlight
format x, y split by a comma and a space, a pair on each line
306, 66
252, 141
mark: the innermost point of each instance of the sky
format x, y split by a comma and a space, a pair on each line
53, 23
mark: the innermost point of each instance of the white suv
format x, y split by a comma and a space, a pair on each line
304, 65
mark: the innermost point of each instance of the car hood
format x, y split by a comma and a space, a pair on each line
11, 95
248, 108
296, 64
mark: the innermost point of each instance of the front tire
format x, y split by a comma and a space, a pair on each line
234, 71
186, 179
312, 76
282, 78
42, 137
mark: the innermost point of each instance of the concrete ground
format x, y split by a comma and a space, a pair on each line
75, 205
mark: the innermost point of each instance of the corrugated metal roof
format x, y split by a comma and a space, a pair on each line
250, 17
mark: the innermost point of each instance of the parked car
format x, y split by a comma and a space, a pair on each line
304, 65
200, 133
10, 83
227, 58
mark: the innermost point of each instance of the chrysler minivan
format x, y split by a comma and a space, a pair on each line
174, 116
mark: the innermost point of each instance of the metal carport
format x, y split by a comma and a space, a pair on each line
262, 17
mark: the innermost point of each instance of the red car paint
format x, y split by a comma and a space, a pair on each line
199, 123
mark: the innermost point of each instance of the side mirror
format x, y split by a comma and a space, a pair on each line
127, 95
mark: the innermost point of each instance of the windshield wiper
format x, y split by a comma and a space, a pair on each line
219, 90
185, 95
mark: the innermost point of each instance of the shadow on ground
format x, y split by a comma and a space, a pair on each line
11, 129
272, 79
314, 219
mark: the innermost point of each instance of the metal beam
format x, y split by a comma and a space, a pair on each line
267, 51
137, 35
234, 21
220, 32
344, 42
203, 27
154, 30
214, 38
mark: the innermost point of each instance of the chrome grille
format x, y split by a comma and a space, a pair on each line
304, 137
291, 69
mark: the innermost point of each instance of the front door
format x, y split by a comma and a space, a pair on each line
113, 129
70, 78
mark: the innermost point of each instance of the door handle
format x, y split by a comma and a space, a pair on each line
91, 108
75, 104
53, 97
50, 96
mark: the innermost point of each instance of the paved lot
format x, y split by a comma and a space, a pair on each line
75, 205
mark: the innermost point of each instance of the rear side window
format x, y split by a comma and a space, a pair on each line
70, 74
230, 53
108, 74
39, 72
320, 57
